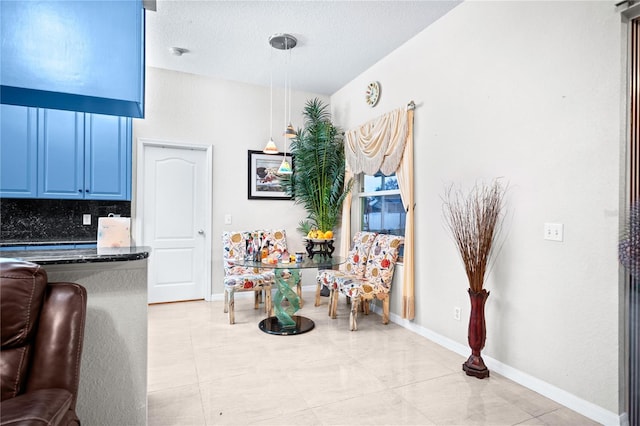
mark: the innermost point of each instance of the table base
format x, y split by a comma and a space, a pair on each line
271, 325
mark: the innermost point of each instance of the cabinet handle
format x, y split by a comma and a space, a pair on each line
79, 190
86, 190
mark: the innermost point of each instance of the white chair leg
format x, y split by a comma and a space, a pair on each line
232, 318
299, 290
385, 310
257, 295
333, 303
365, 306
355, 303
318, 289
268, 306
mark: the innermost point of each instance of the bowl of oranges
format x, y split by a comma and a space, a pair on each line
316, 235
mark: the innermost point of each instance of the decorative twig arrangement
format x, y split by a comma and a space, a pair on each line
475, 220
629, 248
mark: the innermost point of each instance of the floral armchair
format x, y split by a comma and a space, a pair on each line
376, 283
241, 278
353, 268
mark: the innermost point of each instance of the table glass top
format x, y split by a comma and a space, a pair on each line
321, 262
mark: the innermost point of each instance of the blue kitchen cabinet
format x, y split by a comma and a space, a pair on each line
83, 56
84, 156
107, 157
18, 151
61, 154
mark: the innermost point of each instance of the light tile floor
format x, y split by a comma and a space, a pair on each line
203, 371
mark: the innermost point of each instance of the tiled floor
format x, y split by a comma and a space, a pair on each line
203, 371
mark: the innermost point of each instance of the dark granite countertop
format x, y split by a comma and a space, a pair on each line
12, 243
93, 255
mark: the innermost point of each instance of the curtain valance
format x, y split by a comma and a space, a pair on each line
378, 144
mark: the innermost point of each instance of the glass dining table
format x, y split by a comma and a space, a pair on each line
286, 301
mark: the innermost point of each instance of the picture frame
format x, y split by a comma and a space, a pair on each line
263, 181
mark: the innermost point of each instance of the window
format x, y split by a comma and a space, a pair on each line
380, 205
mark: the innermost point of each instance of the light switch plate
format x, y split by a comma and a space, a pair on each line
86, 219
227, 219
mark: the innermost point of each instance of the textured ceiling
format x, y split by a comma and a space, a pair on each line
337, 40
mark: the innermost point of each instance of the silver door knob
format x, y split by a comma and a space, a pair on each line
201, 232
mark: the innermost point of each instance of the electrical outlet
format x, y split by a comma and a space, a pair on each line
553, 231
86, 219
456, 313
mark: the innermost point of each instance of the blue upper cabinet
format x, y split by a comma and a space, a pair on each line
83, 55
18, 146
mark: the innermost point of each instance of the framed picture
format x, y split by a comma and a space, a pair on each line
264, 182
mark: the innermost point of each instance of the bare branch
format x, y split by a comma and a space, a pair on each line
474, 220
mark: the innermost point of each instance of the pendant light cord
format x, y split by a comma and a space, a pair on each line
286, 78
271, 96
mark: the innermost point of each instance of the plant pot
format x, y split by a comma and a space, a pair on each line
474, 366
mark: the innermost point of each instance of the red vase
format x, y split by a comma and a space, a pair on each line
474, 366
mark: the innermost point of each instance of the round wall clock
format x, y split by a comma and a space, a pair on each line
373, 93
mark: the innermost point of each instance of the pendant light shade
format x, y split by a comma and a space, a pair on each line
290, 132
270, 148
285, 167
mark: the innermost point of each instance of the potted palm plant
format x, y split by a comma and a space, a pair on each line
318, 179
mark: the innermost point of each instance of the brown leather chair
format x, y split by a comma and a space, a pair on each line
42, 327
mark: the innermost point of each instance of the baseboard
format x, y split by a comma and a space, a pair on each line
569, 400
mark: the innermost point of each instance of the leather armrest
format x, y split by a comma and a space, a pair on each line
40, 407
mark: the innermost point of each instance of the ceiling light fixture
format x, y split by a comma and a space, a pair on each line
178, 51
285, 42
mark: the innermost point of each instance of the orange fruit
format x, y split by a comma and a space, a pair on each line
328, 235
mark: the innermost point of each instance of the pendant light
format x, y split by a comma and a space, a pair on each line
271, 148
285, 42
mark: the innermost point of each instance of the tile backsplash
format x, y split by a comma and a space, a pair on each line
38, 220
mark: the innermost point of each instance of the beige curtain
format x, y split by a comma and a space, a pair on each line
405, 181
345, 226
386, 144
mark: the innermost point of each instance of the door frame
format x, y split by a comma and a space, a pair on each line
141, 145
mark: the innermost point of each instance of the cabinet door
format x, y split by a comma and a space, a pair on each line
61, 154
18, 151
107, 157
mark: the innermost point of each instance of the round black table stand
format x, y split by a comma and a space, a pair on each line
271, 325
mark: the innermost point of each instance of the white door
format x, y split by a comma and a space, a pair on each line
174, 222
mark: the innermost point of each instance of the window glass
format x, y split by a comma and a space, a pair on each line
381, 205
380, 182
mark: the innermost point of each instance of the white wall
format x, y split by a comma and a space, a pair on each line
233, 118
531, 92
